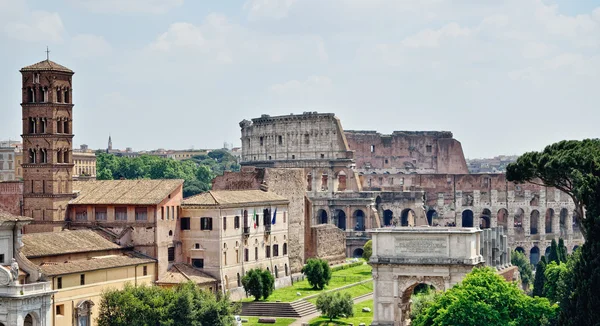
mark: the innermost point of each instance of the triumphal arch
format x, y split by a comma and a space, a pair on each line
406, 257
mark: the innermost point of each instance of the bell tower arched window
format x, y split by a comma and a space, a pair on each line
32, 156
30, 95
44, 156
59, 126
66, 126
67, 96
58, 95
32, 125
45, 94
59, 156
43, 125
66, 156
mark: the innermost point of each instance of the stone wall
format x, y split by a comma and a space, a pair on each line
11, 197
329, 243
288, 183
407, 152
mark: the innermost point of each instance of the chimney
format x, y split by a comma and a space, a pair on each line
264, 187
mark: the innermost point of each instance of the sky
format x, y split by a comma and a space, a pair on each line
505, 76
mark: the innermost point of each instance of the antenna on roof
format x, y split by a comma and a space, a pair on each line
47, 54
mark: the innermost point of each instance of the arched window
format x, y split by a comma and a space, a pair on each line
66, 156
245, 218
66, 126
44, 155
58, 95
67, 99
30, 95
286, 270
59, 156
59, 126
32, 156
284, 248
43, 125
236, 222
45, 94
32, 125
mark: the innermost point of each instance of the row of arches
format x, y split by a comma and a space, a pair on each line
519, 219
41, 155
534, 253
340, 179
41, 94
36, 125
340, 220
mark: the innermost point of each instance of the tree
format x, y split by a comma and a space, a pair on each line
485, 298
258, 283
540, 278
573, 167
555, 275
562, 251
185, 304
518, 259
335, 304
421, 301
368, 250
318, 273
553, 255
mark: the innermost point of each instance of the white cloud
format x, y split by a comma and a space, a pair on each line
272, 9
128, 6
89, 45
430, 38
222, 41
36, 27
535, 50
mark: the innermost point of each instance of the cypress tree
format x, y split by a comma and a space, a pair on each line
553, 255
562, 251
539, 280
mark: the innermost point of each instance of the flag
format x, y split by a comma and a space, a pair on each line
274, 216
254, 218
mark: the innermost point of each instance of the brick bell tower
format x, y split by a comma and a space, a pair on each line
47, 144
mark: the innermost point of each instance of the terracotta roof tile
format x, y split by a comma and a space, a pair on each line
181, 273
233, 197
64, 242
6, 216
96, 263
123, 192
46, 65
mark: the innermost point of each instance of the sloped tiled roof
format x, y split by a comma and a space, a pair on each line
123, 192
181, 273
233, 197
46, 65
6, 216
96, 263
64, 242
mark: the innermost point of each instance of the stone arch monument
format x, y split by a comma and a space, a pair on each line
405, 257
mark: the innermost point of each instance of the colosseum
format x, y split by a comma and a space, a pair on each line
356, 180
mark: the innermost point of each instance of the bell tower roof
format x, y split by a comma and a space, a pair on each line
47, 65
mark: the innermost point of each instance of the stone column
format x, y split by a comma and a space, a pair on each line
493, 219
527, 223
348, 219
542, 226
510, 223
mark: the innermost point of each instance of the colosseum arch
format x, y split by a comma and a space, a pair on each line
534, 222
518, 223
502, 218
467, 218
485, 219
549, 219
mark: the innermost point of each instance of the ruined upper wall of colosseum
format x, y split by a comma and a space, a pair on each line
407, 151
294, 137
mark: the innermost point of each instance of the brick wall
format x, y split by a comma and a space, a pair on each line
11, 197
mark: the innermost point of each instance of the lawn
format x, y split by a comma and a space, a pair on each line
359, 316
338, 279
355, 291
280, 321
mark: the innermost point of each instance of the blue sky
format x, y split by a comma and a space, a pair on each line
504, 76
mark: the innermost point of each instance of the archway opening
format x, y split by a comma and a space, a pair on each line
467, 218
575, 248
503, 218
388, 216
341, 219
520, 249
431, 214
534, 221
377, 202
358, 253
407, 217
485, 219
518, 223
322, 215
286, 270
276, 271
534, 255
548, 220
409, 297
359, 217
563, 222
29, 320
547, 251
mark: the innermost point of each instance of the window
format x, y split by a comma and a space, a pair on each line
306, 139
237, 256
60, 309
428, 148
255, 253
59, 282
261, 141
173, 212
285, 249
1, 258
171, 253
275, 250
141, 213
386, 161
198, 263
284, 216
206, 223
225, 258
293, 157
168, 212
185, 223
224, 222
82, 279
236, 222
100, 213
162, 213
246, 254
280, 140
145, 270
197, 246
322, 155
372, 148
121, 213
268, 251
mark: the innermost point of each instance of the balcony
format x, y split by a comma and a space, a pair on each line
24, 290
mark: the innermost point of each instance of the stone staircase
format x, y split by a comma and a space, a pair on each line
296, 309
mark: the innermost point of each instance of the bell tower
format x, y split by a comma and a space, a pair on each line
47, 110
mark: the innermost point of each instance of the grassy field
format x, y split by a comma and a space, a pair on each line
355, 291
338, 279
280, 321
359, 316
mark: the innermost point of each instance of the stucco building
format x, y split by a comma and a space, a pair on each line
80, 265
7, 164
84, 163
227, 233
